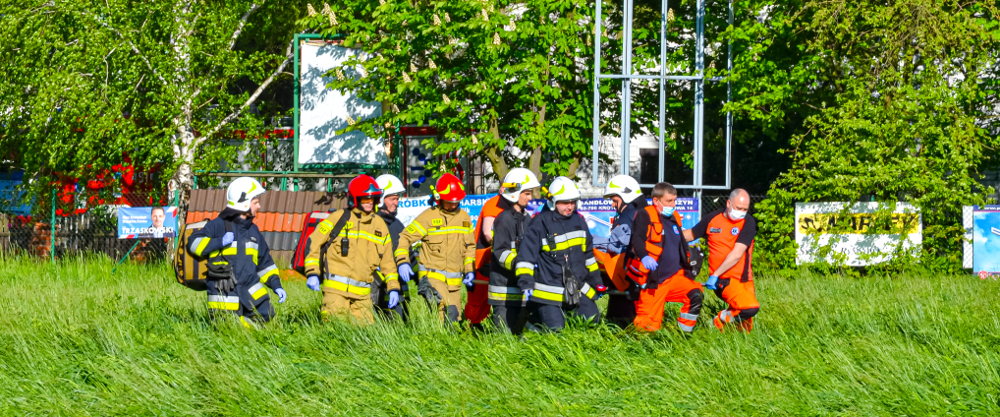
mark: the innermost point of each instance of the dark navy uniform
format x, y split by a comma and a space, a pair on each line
395, 228
504, 293
621, 308
252, 266
553, 242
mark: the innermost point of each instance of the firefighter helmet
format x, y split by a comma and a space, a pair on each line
241, 192
362, 186
516, 181
562, 189
390, 185
449, 188
623, 186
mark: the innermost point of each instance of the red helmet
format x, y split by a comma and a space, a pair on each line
362, 186
449, 188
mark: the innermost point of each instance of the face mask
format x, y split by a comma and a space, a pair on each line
737, 214
667, 211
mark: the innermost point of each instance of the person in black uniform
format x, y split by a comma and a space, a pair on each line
626, 198
566, 278
241, 267
392, 190
504, 293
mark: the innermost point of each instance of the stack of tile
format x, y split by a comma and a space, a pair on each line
280, 217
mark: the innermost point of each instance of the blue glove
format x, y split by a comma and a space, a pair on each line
527, 294
468, 279
393, 299
712, 280
405, 272
228, 238
649, 263
282, 295
313, 282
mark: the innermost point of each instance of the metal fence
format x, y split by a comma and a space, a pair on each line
713, 202
53, 235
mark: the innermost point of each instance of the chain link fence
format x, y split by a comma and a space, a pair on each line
49, 233
713, 202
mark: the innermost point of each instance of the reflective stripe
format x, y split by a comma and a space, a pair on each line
232, 249
451, 230
450, 278
469, 261
401, 252
507, 258
685, 327
345, 284
504, 293
360, 234
726, 316
548, 292
253, 245
391, 277
198, 245
246, 323
587, 291
311, 261
222, 302
252, 249
687, 316
266, 273
525, 268
257, 290
418, 228
591, 264
566, 241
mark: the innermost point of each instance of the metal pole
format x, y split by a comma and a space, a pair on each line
295, 101
729, 99
699, 93
626, 85
597, 95
126, 256
664, 9
52, 233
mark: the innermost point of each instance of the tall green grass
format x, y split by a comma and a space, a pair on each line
77, 340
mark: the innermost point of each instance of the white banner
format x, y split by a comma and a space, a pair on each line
862, 244
323, 112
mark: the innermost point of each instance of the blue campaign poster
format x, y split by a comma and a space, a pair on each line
147, 222
986, 240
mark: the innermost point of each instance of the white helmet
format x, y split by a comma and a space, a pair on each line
390, 185
562, 189
516, 181
623, 186
241, 191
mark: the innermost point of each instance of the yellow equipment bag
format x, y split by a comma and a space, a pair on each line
190, 271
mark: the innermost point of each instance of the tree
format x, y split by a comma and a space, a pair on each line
501, 79
159, 80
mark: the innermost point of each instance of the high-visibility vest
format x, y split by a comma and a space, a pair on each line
484, 251
636, 271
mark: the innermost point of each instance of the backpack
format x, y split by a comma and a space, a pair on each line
302, 250
192, 272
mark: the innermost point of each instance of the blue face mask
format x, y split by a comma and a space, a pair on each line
668, 211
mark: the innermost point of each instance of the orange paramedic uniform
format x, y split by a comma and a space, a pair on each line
735, 286
477, 308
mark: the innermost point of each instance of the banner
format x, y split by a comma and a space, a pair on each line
147, 222
982, 225
856, 236
597, 211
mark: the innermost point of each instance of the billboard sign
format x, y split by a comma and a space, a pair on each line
856, 236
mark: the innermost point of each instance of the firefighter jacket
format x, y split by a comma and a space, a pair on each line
365, 237
248, 255
508, 230
554, 241
395, 226
449, 247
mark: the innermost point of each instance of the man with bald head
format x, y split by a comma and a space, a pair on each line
730, 233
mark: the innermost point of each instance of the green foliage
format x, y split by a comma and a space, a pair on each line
80, 341
892, 102
504, 80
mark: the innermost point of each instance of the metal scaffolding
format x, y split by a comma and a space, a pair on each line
627, 76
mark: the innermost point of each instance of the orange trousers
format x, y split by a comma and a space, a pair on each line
477, 308
676, 289
743, 305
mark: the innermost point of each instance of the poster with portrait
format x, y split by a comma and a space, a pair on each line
147, 222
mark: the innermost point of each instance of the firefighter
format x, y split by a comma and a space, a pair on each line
477, 307
504, 293
730, 233
659, 264
348, 258
626, 198
449, 247
559, 243
240, 264
392, 190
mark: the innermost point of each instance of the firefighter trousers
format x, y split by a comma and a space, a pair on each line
743, 305
248, 304
477, 308
676, 289
553, 318
621, 308
510, 319
402, 309
441, 298
335, 303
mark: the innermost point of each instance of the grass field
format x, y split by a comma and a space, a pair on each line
78, 340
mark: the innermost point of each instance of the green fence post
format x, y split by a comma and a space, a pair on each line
52, 224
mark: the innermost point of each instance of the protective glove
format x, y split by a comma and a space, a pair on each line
227, 285
282, 295
527, 294
228, 238
393, 299
468, 279
313, 282
711, 283
405, 272
649, 263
